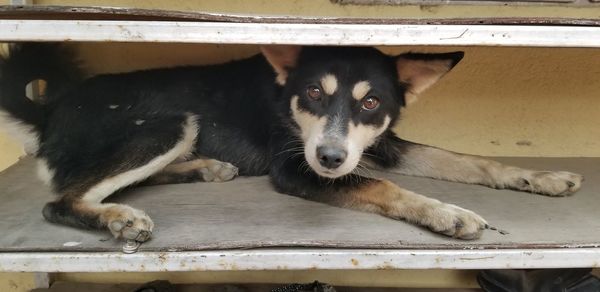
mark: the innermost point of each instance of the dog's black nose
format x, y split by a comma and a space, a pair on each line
331, 157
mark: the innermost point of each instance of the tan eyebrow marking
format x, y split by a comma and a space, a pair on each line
361, 89
329, 84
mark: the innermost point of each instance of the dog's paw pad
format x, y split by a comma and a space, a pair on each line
556, 184
129, 223
219, 172
456, 222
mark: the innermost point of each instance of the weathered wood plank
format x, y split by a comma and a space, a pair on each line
299, 33
247, 213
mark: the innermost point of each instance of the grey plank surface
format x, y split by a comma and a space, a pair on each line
247, 213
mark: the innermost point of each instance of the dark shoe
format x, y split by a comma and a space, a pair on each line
312, 287
547, 280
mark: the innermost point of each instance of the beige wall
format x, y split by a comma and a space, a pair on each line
17, 282
10, 150
359, 278
513, 102
545, 99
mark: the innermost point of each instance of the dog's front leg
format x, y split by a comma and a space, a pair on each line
390, 200
385, 198
421, 160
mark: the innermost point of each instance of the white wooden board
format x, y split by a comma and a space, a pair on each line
299, 33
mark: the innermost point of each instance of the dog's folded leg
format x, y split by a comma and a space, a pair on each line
81, 204
196, 170
421, 160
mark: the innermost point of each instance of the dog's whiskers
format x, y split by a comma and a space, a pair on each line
300, 148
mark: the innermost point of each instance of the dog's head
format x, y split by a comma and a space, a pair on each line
341, 99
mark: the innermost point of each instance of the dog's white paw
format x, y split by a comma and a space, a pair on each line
128, 223
556, 184
455, 221
218, 171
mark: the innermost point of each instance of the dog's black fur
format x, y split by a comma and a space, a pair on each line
90, 131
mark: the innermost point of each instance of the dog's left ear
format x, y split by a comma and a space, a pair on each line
420, 71
282, 59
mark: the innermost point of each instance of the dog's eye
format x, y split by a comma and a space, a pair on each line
370, 103
313, 92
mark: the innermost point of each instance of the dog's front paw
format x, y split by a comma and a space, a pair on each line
128, 223
455, 221
556, 184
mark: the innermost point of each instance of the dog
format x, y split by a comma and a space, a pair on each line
311, 118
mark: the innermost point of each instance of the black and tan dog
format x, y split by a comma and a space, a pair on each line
311, 118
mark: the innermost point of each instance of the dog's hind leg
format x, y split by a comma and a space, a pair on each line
196, 170
420, 160
81, 203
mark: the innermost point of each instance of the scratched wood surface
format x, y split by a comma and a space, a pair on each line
247, 213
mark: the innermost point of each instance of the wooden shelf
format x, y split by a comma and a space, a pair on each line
245, 225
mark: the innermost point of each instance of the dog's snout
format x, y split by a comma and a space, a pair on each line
331, 157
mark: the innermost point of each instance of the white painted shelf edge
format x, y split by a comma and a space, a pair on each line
299, 259
307, 34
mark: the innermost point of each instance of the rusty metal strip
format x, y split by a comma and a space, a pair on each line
112, 13
530, 3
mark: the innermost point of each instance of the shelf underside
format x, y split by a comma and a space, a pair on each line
247, 213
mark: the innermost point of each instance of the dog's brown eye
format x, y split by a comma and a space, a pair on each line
370, 103
313, 92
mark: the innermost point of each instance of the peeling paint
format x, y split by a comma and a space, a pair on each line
476, 259
299, 259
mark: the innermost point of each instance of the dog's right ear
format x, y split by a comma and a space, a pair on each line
419, 71
282, 58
